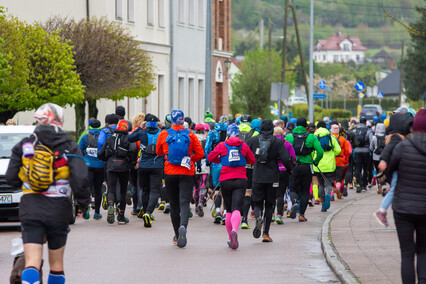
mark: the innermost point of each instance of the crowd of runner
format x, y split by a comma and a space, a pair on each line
269, 170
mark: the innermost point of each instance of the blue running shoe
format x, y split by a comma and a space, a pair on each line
327, 199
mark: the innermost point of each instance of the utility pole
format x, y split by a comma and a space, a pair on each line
299, 44
344, 101
284, 47
401, 71
261, 26
269, 35
311, 65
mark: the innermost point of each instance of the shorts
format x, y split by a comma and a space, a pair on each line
33, 232
264, 192
249, 178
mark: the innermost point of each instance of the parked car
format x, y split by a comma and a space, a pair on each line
10, 197
370, 111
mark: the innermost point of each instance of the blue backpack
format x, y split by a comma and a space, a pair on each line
152, 143
233, 158
178, 142
326, 142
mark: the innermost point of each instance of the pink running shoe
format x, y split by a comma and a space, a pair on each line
381, 218
234, 240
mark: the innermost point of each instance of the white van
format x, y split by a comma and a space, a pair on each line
10, 197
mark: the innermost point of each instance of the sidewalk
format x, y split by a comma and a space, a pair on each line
370, 250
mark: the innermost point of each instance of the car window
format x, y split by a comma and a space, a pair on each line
7, 141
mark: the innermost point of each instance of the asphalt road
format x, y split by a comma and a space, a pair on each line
97, 252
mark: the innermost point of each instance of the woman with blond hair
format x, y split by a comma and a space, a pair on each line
136, 192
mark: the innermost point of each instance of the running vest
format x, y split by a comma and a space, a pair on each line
233, 158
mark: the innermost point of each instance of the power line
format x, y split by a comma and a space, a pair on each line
348, 12
366, 5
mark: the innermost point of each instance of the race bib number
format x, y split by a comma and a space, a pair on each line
186, 162
275, 184
92, 152
234, 156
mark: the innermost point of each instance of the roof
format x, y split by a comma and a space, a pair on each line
237, 63
332, 43
382, 54
389, 86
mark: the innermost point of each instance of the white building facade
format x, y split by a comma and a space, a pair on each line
148, 21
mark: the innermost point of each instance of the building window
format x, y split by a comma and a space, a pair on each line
131, 11
161, 96
181, 11
346, 47
119, 10
161, 23
201, 13
181, 93
324, 57
200, 97
150, 13
347, 58
191, 96
191, 13
335, 58
358, 58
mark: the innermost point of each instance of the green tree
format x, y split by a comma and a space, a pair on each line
37, 68
415, 63
110, 62
251, 89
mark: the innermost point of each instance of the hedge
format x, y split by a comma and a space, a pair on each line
352, 104
336, 113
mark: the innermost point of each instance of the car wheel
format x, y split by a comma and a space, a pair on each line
74, 209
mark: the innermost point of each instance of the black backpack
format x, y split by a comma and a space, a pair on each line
245, 136
299, 144
361, 135
381, 141
263, 151
92, 145
119, 146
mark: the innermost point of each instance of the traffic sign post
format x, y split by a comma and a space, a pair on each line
359, 86
322, 84
320, 96
380, 97
361, 95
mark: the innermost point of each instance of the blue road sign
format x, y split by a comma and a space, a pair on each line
423, 96
380, 96
320, 96
321, 84
359, 86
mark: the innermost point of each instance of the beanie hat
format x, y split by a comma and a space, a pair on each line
301, 121
419, 123
199, 127
112, 119
188, 120
335, 129
120, 111
123, 125
232, 130
50, 114
223, 119
284, 118
94, 123
290, 125
168, 119
177, 117
294, 120
151, 117
206, 127
321, 124
255, 124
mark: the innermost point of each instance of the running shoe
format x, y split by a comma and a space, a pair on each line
174, 240
370, 186
135, 212
190, 213
317, 201
87, 215
141, 213
332, 198
244, 224
104, 201
302, 218
110, 216
273, 218
355, 183
166, 208
279, 220
200, 210
358, 189
345, 191
97, 216
327, 199
152, 217
351, 186
337, 193
147, 222
310, 203
364, 189
266, 238
223, 219
252, 214
196, 210
234, 240
293, 211
258, 227
181, 242
288, 214
379, 189
214, 212
129, 197
161, 206
121, 219
218, 218
381, 218
323, 208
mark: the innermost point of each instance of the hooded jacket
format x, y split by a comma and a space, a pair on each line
290, 151
380, 133
147, 161
105, 133
328, 162
35, 206
342, 160
398, 123
409, 159
93, 162
221, 151
367, 139
311, 142
269, 172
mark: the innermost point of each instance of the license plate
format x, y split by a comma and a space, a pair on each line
5, 199
369, 113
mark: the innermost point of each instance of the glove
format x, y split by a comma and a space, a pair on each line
198, 169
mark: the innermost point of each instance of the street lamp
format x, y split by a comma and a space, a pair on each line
227, 64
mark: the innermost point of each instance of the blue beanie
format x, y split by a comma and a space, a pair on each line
291, 125
284, 118
255, 124
294, 120
177, 117
232, 130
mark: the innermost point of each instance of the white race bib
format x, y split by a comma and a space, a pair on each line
186, 162
92, 152
234, 156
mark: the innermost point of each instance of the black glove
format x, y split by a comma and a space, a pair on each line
198, 169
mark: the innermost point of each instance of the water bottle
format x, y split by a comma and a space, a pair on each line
28, 150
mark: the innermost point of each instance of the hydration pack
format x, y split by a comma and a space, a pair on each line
178, 142
120, 148
92, 145
245, 136
381, 142
326, 142
233, 158
263, 151
299, 144
361, 135
151, 148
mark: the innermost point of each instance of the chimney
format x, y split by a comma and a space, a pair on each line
392, 64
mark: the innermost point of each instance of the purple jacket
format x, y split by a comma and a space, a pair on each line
290, 151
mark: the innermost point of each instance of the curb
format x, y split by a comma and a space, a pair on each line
336, 263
